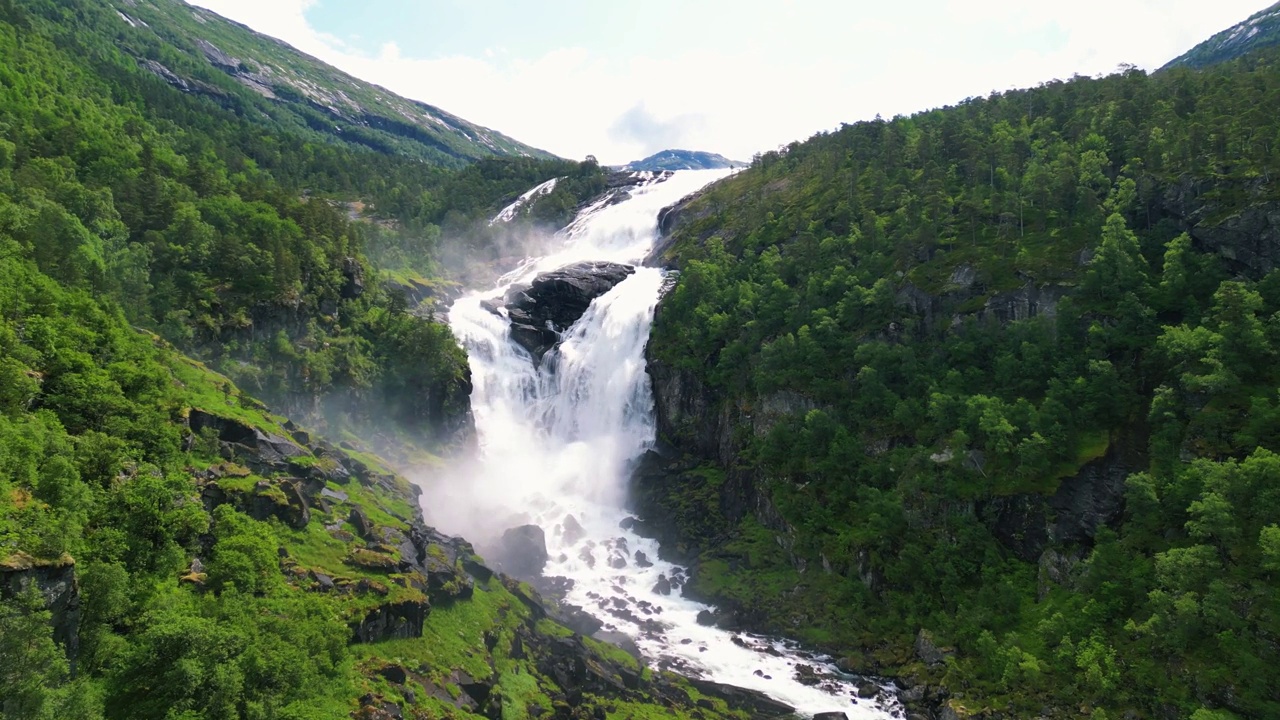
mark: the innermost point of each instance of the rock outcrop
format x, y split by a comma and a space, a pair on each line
541, 312
246, 440
393, 621
757, 704
1029, 524
55, 582
1248, 241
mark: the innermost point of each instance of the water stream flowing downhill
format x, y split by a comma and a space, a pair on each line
559, 438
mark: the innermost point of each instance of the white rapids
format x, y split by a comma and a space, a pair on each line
561, 439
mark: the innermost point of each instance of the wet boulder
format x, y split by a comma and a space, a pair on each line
577, 619
555, 300
573, 530
663, 586
522, 551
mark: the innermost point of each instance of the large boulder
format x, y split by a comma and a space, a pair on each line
522, 552
555, 300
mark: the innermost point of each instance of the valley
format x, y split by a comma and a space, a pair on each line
320, 402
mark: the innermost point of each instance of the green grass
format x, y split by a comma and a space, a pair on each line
520, 692
453, 636
314, 547
381, 508
553, 629
239, 484
214, 393
1093, 445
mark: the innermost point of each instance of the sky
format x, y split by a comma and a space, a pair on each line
621, 80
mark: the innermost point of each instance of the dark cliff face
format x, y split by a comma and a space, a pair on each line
687, 412
1247, 240
696, 425
56, 584
1031, 525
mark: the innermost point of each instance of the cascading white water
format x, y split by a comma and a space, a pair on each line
559, 439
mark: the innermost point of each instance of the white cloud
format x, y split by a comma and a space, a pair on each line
803, 68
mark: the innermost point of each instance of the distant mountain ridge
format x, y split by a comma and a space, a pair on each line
1261, 30
200, 52
683, 160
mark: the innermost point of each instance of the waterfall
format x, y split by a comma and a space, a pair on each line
558, 440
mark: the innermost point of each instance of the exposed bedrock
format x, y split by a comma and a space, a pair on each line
543, 310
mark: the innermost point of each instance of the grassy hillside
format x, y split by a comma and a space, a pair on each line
998, 377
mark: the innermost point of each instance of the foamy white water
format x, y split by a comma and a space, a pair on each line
508, 213
560, 440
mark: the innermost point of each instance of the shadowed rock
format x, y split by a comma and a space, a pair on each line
752, 701
522, 552
555, 300
56, 582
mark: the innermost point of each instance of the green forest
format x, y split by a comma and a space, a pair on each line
1003, 378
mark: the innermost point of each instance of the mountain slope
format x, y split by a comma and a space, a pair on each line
267, 80
1261, 30
985, 397
682, 160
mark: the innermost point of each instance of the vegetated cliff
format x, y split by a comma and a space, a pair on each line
985, 397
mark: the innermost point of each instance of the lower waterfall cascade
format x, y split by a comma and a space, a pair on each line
559, 438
